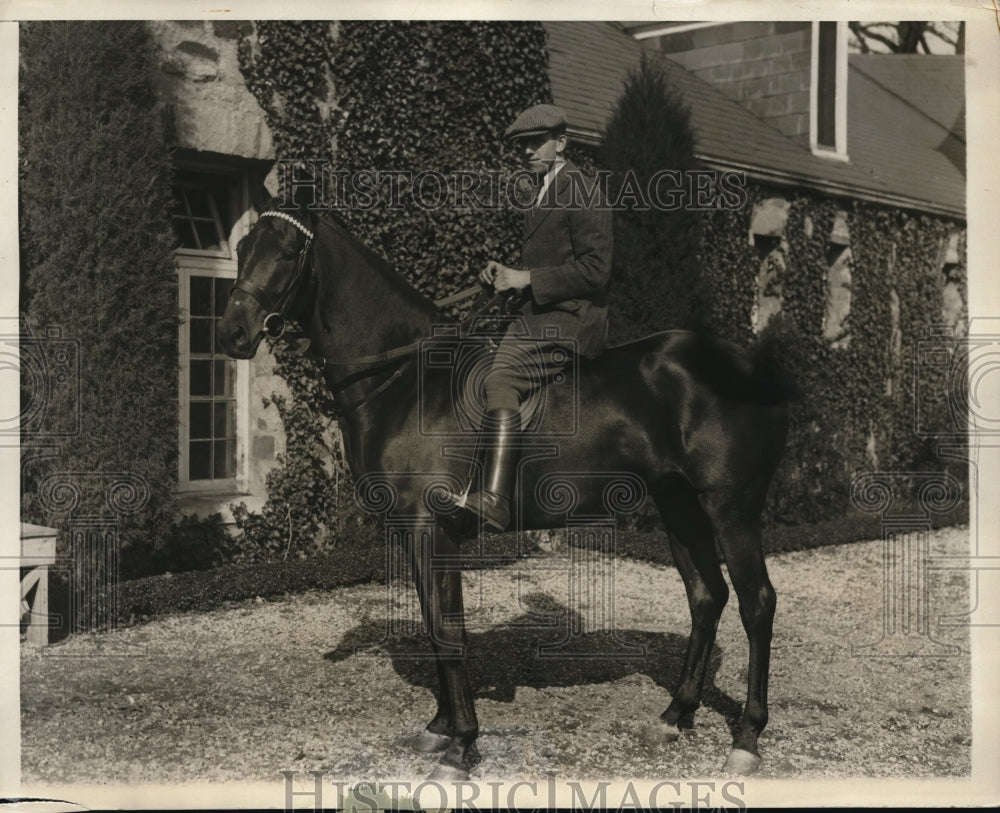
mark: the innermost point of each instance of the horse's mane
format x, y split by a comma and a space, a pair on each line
379, 264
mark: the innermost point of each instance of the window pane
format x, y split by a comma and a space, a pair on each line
182, 206
201, 377
201, 296
225, 412
222, 288
198, 201
203, 213
225, 375
185, 233
201, 335
208, 236
200, 461
225, 458
201, 419
826, 123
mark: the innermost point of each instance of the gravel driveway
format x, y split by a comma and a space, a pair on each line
243, 692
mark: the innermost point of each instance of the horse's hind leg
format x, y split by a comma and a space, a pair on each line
439, 585
692, 547
736, 520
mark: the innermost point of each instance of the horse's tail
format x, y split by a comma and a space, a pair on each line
774, 356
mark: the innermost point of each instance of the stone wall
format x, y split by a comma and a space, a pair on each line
207, 105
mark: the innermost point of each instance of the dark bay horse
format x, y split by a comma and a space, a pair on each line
696, 424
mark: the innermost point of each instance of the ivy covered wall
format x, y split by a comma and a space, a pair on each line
865, 403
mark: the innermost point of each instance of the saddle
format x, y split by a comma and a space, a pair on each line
464, 352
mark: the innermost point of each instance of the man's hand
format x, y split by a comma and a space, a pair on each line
503, 278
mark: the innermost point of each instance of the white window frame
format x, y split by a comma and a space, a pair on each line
212, 263
839, 151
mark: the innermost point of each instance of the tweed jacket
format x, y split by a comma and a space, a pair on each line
566, 245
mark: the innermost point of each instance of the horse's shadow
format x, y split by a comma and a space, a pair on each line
541, 648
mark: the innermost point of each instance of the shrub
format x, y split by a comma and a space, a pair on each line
656, 282
147, 598
98, 243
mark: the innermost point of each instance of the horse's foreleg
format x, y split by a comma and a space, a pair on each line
738, 532
692, 547
439, 583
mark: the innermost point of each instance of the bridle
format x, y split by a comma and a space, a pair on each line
276, 306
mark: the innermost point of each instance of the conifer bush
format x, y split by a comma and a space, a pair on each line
656, 282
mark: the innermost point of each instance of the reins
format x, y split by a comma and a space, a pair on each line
275, 324
372, 364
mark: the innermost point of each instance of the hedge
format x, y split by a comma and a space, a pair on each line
95, 185
144, 599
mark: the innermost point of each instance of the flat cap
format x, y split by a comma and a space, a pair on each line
541, 118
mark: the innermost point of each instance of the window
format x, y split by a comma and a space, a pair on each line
211, 384
828, 90
207, 218
202, 213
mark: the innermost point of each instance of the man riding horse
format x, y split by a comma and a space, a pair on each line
696, 423
566, 251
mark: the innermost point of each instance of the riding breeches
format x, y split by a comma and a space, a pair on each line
520, 367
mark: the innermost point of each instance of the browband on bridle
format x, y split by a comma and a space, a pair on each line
289, 218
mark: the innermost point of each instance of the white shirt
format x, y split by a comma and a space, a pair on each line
547, 180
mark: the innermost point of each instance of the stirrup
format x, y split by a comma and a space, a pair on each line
477, 505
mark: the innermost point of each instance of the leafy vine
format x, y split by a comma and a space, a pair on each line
384, 96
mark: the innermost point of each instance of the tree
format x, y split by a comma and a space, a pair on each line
655, 282
908, 37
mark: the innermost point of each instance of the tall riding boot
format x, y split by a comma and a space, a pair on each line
500, 438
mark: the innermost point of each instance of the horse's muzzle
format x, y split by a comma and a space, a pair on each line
234, 340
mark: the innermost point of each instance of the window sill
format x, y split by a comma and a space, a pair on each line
830, 154
203, 504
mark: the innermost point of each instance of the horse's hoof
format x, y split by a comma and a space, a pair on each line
742, 763
427, 742
660, 733
448, 773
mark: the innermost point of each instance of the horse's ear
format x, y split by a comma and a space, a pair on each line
305, 198
302, 201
